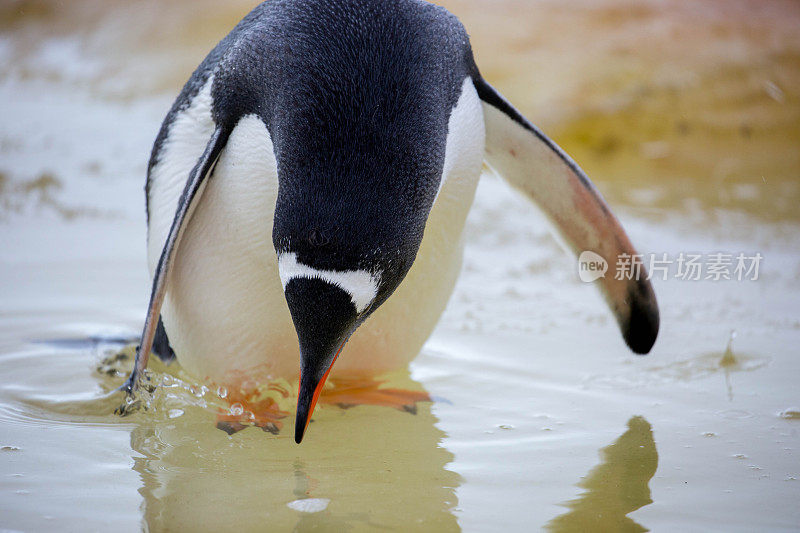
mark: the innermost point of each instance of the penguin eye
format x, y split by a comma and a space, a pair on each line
317, 238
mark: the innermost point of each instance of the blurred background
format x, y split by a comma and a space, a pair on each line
660, 95
687, 117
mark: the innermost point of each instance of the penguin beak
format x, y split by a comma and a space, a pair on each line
310, 387
324, 316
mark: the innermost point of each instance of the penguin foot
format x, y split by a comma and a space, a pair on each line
346, 393
248, 410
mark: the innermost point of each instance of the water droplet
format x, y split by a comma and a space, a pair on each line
237, 409
175, 413
222, 392
505, 426
709, 434
167, 380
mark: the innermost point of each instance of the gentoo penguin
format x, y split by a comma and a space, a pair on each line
309, 187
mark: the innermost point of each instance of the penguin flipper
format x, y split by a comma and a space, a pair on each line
186, 204
532, 163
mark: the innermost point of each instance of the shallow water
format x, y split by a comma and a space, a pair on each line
687, 118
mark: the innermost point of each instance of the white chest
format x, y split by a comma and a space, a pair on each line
225, 313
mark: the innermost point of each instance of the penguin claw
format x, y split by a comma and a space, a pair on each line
271, 428
412, 409
233, 427
230, 427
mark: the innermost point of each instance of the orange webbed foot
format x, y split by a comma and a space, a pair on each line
347, 393
252, 409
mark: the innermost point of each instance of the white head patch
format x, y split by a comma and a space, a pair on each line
362, 286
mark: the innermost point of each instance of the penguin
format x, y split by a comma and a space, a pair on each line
307, 194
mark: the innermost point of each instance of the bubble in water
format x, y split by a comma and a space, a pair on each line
222, 392
175, 413
309, 505
237, 409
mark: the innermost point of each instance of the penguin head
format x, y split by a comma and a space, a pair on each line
344, 243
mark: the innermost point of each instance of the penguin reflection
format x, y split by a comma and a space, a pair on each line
380, 468
617, 486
